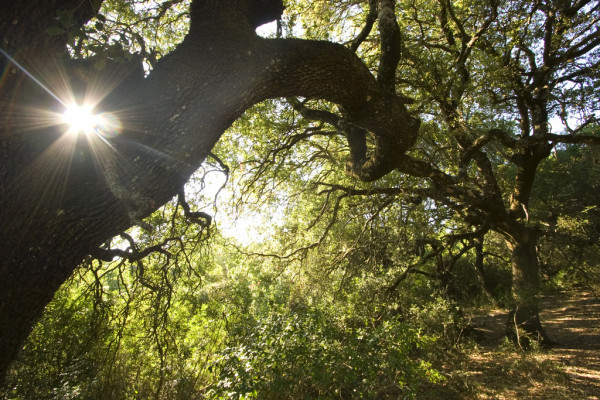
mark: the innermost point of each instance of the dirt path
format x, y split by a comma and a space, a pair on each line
574, 323
569, 370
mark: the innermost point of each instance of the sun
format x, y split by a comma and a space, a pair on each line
81, 119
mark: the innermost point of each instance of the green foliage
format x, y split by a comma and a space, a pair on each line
312, 354
242, 334
569, 249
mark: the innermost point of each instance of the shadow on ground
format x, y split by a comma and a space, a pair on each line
495, 369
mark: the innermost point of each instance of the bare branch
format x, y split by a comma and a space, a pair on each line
584, 46
571, 139
482, 140
358, 192
132, 254
199, 217
303, 250
412, 269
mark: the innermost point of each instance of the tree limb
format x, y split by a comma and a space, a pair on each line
391, 45
366, 30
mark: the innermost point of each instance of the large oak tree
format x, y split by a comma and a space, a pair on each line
64, 194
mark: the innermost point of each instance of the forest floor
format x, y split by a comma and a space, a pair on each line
492, 368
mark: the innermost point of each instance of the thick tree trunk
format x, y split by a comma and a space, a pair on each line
63, 196
523, 324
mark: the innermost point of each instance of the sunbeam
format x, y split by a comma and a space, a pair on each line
54, 126
31, 76
73, 138
79, 117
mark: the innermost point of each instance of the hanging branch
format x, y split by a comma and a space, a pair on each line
366, 30
201, 218
356, 136
413, 269
132, 254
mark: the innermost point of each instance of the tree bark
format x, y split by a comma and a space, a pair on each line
523, 324
62, 196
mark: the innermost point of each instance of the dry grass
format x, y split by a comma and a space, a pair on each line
491, 368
